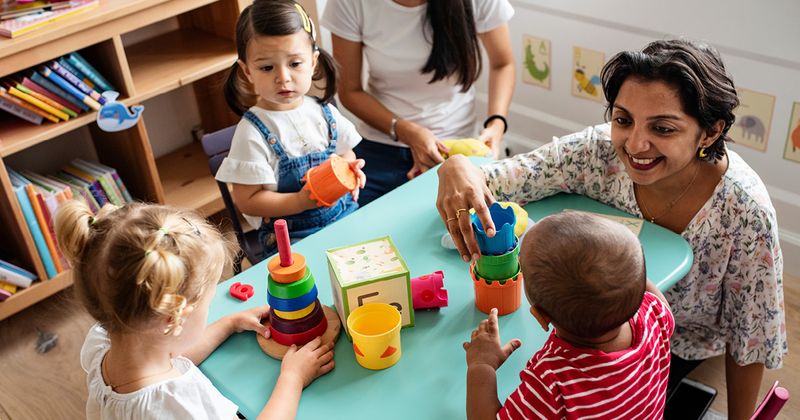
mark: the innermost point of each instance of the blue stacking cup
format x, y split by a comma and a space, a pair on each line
504, 222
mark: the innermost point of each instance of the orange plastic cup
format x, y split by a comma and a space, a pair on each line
504, 295
329, 181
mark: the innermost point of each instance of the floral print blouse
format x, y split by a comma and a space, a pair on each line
733, 293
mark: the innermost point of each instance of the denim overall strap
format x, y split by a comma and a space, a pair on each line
290, 173
269, 138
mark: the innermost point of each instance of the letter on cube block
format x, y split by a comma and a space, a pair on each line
371, 271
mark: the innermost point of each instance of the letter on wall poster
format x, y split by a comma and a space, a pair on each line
536, 63
586, 66
753, 119
792, 151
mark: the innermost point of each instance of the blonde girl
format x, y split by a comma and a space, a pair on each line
147, 274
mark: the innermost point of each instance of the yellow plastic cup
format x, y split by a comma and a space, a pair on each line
375, 330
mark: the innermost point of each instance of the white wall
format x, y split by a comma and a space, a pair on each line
758, 42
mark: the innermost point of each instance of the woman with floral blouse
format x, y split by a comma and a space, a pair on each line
663, 157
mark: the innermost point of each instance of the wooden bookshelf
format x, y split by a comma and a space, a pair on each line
197, 53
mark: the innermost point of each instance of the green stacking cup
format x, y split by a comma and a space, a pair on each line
499, 267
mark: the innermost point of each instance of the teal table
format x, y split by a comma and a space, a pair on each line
429, 381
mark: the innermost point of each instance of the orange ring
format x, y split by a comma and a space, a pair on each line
290, 274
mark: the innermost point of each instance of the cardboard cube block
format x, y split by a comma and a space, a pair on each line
372, 271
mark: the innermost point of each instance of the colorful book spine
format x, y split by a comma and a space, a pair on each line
39, 213
7, 95
105, 179
43, 82
11, 288
65, 113
70, 68
19, 111
33, 225
26, 276
126, 195
70, 109
13, 278
67, 86
41, 105
5, 294
84, 67
63, 72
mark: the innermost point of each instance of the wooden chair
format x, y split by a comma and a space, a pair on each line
216, 146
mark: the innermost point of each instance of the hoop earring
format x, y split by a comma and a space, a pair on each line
702, 152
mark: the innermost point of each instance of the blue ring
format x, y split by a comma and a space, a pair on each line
295, 304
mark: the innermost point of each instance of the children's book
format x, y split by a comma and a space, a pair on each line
55, 108
106, 181
13, 9
15, 278
93, 186
65, 105
63, 72
66, 64
12, 92
84, 67
40, 209
19, 102
126, 195
7, 290
80, 191
20, 112
67, 86
14, 27
52, 87
19, 183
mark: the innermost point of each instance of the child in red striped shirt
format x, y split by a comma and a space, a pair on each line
608, 353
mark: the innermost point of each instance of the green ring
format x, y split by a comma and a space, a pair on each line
291, 290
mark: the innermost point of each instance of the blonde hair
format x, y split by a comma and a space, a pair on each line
140, 262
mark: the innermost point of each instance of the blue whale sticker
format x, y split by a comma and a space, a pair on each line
114, 116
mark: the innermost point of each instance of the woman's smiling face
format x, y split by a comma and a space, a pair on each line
651, 133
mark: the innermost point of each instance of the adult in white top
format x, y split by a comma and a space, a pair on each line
422, 59
663, 158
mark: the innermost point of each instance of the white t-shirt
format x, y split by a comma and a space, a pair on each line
396, 48
190, 396
303, 130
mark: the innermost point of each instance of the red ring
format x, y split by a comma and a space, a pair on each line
299, 338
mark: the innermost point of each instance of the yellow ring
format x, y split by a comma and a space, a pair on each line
290, 315
458, 212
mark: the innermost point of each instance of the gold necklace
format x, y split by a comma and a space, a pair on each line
115, 387
672, 203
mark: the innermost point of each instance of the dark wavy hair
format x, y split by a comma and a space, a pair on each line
706, 90
272, 18
455, 51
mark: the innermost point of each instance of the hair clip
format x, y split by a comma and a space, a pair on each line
195, 230
146, 253
308, 25
92, 220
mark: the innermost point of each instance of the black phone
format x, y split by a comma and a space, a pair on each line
690, 400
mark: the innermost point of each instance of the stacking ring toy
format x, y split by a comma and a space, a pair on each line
293, 304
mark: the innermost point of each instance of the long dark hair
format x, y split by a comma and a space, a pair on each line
273, 18
706, 90
455, 42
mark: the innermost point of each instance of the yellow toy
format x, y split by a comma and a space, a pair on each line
466, 147
519, 213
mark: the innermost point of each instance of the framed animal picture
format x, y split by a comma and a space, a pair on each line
753, 119
536, 68
792, 151
586, 66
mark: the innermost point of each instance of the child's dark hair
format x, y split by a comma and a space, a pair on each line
273, 18
455, 50
696, 69
585, 272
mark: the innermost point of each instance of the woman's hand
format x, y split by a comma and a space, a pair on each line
250, 320
356, 166
309, 362
426, 149
462, 186
492, 136
484, 347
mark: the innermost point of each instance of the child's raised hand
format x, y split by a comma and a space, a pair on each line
250, 320
309, 362
356, 166
484, 345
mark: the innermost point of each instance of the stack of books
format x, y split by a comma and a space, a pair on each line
18, 17
55, 91
13, 278
40, 196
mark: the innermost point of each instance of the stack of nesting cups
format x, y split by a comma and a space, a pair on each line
328, 182
496, 274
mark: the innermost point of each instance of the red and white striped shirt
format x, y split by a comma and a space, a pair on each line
563, 381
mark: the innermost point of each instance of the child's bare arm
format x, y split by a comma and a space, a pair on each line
219, 331
256, 201
298, 369
652, 288
484, 356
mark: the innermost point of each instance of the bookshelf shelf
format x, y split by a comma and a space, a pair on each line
38, 291
187, 181
186, 55
196, 54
